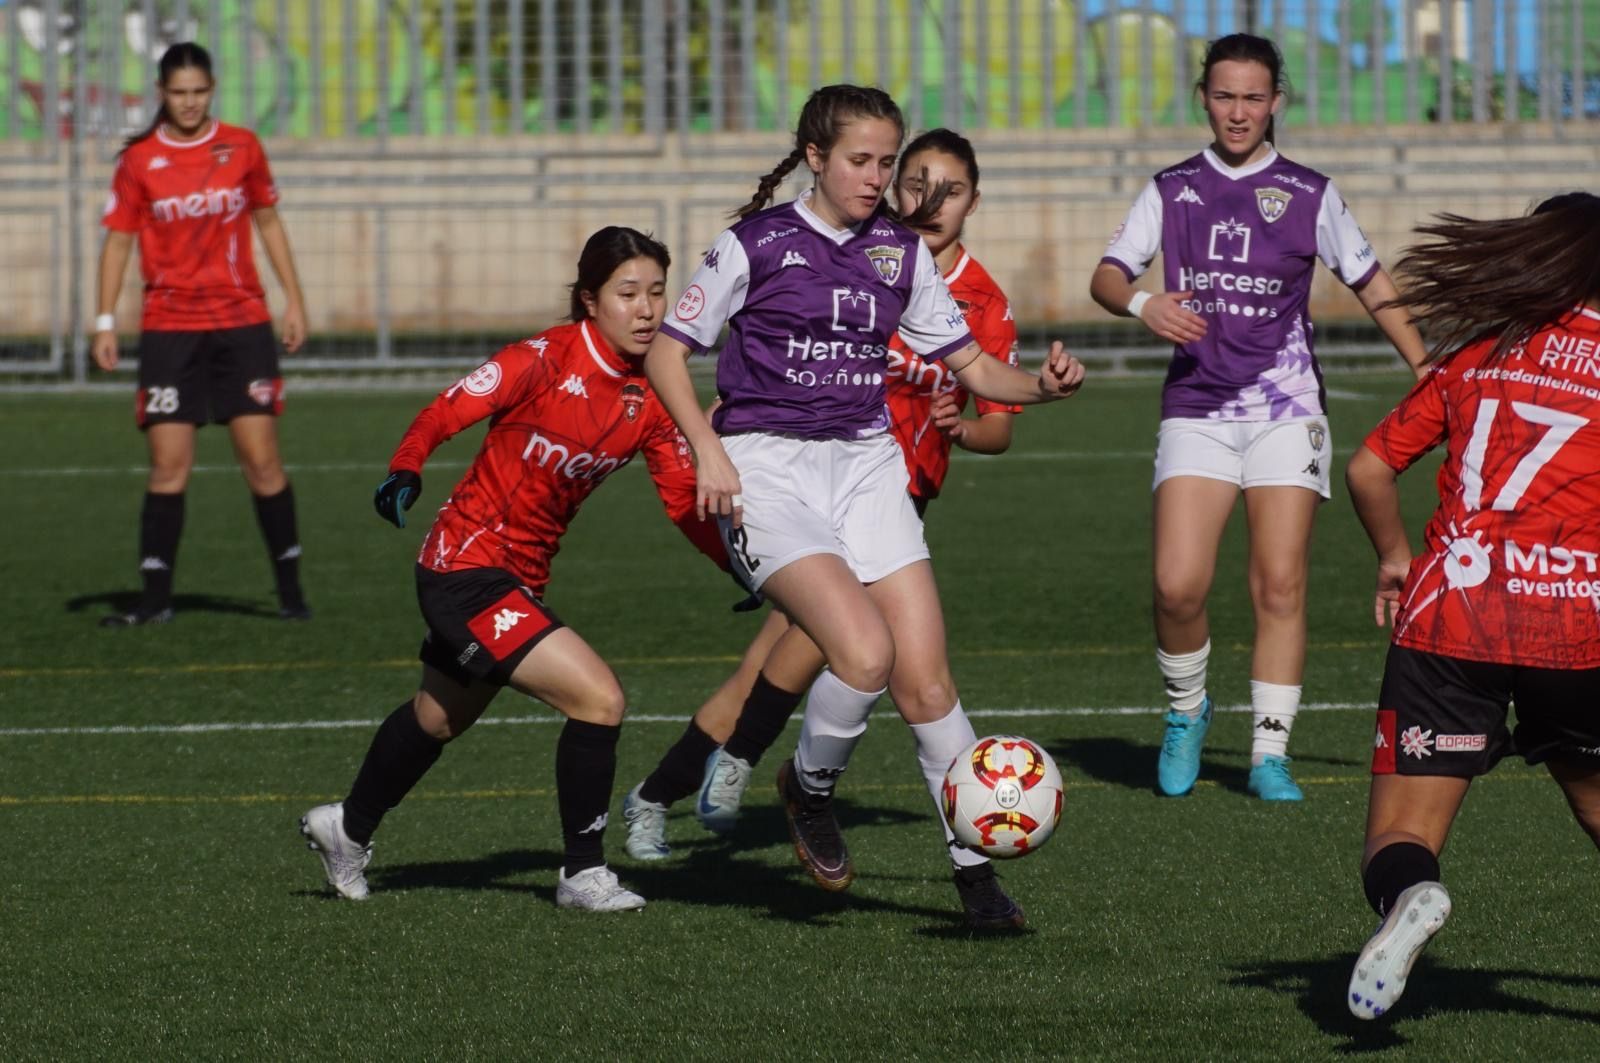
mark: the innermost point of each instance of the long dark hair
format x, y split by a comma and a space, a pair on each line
950, 143
185, 55
1503, 278
1245, 48
823, 118
603, 253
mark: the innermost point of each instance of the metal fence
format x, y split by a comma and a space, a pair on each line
319, 68
406, 131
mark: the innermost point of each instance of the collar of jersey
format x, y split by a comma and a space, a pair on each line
1592, 315
955, 270
802, 207
604, 357
161, 135
1239, 173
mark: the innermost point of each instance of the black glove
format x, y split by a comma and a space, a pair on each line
397, 494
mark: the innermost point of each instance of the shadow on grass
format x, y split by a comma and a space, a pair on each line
125, 601
707, 872
1433, 990
1121, 762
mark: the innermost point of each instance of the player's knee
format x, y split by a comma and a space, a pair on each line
601, 703
265, 476
924, 701
1279, 593
865, 664
1179, 599
169, 476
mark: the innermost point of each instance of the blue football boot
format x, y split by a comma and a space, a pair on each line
1270, 780
1179, 765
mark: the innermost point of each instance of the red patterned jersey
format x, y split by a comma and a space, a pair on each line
190, 203
913, 383
565, 412
1510, 568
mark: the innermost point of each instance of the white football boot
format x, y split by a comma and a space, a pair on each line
343, 861
595, 890
647, 827
722, 791
1385, 961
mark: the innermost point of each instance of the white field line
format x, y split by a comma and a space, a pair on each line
257, 727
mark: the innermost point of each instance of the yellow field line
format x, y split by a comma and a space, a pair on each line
515, 793
1375, 647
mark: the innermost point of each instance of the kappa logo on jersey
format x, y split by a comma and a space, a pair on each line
539, 344
573, 385
598, 825
1272, 202
1383, 743
509, 623
690, 303
1189, 195
159, 162
712, 259
1416, 742
632, 399
229, 202
1235, 239
1009, 316
793, 258
481, 381
886, 260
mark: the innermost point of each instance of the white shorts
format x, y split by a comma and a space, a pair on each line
821, 496
1291, 453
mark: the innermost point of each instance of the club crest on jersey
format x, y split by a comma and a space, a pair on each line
1272, 202
222, 153
261, 392
632, 401
886, 260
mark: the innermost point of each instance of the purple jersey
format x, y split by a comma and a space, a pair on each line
1245, 241
810, 310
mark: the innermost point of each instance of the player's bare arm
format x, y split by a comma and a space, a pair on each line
992, 379
1374, 488
114, 255
1162, 313
276, 241
717, 483
1377, 296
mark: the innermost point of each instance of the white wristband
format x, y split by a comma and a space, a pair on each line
105, 323
1136, 304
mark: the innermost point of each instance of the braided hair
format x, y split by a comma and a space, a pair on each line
822, 119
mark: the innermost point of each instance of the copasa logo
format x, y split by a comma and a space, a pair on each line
229, 202
558, 458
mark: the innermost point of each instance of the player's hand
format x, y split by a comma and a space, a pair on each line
398, 493
716, 487
1391, 578
294, 327
1166, 316
1062, 373
945, 413
104, 349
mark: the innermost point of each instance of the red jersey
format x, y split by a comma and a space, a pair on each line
190, 203
913, 383
566, 411
1510, 568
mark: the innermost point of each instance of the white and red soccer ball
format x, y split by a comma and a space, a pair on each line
1002, 796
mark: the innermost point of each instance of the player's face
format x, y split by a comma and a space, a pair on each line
921, 174
852, 177
628, 307
1240, 99
187, 94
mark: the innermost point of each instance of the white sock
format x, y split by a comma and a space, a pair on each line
1185, 674
1273, 706
835, 719
937, 745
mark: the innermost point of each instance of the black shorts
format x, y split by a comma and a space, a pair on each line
1442, 715
209, 376
481, 623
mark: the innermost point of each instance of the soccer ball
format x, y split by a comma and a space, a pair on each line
1002, 796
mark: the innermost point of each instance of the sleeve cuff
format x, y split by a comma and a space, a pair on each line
1362, 281
1127, 270
948, 349
691, 342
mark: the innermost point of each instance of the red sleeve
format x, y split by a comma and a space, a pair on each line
124, 210
513, 375
666, 454
1415, 426
996, 334
258, 183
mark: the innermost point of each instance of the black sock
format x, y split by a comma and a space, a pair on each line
400, 755
765, 714
586, 766
681, 769
1393, 870
160, 528
275, 514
